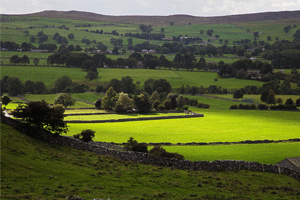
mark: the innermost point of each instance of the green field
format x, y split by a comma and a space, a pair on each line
48, 75
31, 169
215, 126
262, 153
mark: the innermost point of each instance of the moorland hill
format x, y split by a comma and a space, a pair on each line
163, 20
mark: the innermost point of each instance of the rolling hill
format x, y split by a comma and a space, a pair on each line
163, 20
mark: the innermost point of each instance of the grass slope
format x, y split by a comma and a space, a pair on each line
34, 170
262, 153
49, 75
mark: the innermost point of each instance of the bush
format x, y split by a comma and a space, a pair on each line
133, 145
160, 107
262, 107
140, 147
161, 152
167, 104
86, 135
155, 104
252, 107
233, 107
119, 108
98, 104
203, 105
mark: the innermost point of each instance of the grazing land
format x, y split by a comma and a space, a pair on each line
262, 153
176, 78
215, 126
54, 172
31, 169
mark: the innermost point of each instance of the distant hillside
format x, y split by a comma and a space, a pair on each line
163, 20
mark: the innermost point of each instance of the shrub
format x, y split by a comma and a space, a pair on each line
233, 107
298, 102
203, 105
167, 104
161, 107
140, 147
155, 104
262, 107
289, 102
252, 107
119, 108
87, 135
133, 145
161, 152
185, 108
98, 104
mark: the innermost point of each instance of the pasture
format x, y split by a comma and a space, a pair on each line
48, 75
215, 126
262, 153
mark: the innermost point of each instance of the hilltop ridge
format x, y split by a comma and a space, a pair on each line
162, 20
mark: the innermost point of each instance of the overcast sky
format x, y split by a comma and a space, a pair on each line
150, 7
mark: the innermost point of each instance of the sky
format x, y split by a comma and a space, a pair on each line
151, 7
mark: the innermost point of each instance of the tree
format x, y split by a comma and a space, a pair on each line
25, 60
25, 46
38, 114
5, 100
71, 36
39, 87
142, 103
116, 84
32, 39
180, 101
62, 83
110, 99
14, 86
162, 30
36, 61
264, 95
279, 101
266, 68
298, 102
29, 86
162, 85
98, 104
238, 94
26, 32
124, 101
127, 85
92, 73
64, 99
115, 51
154, 97
14, 59
129, 40
289, 102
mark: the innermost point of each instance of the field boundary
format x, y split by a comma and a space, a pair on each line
135, 119
128, 112
216, 143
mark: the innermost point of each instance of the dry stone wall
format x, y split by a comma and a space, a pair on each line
145, 158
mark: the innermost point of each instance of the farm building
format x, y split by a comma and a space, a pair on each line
291, 163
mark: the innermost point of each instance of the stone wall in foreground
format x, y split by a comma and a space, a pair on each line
145, 158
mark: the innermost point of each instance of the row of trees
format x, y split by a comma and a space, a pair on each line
142, 102
14, 86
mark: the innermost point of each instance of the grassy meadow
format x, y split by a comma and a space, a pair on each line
49, 75
215, 126
31, 169
262, 153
